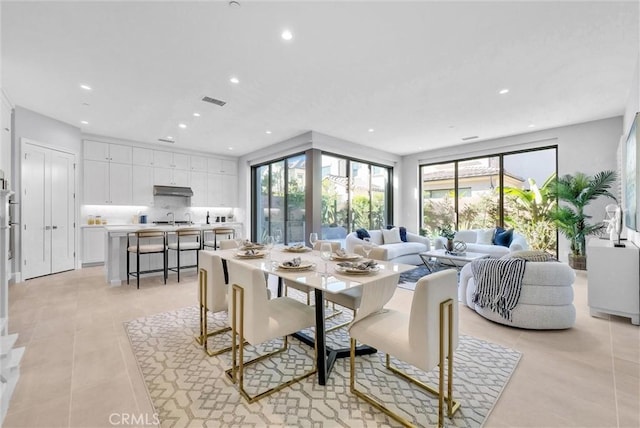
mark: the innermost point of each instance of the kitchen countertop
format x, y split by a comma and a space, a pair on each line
126, 228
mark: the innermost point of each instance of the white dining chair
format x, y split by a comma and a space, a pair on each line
212, 298
424, 337
256, 319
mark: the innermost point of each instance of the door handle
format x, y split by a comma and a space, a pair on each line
54, 227
47, 228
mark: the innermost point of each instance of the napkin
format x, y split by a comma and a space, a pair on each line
366, 265
340, 252
295, 262
296, 247
251, 252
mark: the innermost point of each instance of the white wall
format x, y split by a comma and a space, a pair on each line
587, 147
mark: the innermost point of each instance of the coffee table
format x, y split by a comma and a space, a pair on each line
433, 258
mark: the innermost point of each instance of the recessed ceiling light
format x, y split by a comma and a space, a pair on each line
267, 132
286, 35
169, 137
234, 80
84, 122
371, 129
229, 148
85, 87
182, 125
503, 91
196, 114
531, 125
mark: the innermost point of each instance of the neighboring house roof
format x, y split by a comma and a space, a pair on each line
467, 172
343, 182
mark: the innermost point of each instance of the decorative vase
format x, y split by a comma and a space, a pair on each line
449, 245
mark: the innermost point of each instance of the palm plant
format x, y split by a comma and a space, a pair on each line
578, 191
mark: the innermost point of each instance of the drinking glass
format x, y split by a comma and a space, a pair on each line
313, 238
239, 241
367, 245
269, 242
325, 254
277, 236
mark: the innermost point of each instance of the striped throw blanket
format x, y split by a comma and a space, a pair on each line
498, 284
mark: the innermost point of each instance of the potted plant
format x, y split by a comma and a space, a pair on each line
447, 233
577, 191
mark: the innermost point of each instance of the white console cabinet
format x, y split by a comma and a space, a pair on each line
613, 279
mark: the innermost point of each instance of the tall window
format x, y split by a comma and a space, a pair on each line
279, 200
355, 194
508, 189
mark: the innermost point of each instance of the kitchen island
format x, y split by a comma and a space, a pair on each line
116, 249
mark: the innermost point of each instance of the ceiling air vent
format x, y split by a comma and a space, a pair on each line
470, 138
164, 140
214, 101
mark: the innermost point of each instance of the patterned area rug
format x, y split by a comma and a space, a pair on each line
187, 388
409, 278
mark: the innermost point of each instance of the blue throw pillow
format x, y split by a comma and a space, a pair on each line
403, 232
362, 233
503, 237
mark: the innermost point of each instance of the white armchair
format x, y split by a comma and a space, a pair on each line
424, 337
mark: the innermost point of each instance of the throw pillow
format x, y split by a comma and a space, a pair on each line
391, 236
403, 232
485, 236
503, 237
530, 256
362, 233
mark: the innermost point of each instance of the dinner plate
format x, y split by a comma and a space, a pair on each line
296, 249
335, 256
243, 255
252, 247
304, 265
353, 271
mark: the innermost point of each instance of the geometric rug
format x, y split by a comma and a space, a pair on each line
409, 278
189, 389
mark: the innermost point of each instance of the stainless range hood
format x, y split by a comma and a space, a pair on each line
172, 191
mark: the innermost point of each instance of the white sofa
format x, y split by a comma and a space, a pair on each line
546, 299
470, 237
404, 252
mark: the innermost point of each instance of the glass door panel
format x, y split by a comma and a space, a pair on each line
360, 186
438, 197
335, 198
478, 197
295, 230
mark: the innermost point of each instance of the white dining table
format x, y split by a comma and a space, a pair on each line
328, 280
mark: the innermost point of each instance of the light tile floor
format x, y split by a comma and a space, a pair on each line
78, 369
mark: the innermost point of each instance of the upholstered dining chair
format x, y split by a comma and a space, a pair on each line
424, 337
146, 241
212, 297
256, 319
187, 239
227, 244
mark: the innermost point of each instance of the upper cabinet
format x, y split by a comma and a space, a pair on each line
142, 156
199, 163
94, 150
163, 159
222, 166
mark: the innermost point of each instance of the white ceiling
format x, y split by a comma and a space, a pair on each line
421, 74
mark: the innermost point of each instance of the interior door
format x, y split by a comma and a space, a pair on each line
48, 233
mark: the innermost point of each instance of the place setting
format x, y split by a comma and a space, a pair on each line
296, 264
365, 267
250, 254
341, 256
296, 248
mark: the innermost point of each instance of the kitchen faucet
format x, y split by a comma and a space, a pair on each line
188, 215
173, 218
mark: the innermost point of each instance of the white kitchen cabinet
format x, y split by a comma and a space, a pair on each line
170, 177
199, 187
95, 150
214, 190
214, 165
198, 163
162, 159
142, 185
229, 190
229, 167
93, 245
613, 279
142, 156
107, 183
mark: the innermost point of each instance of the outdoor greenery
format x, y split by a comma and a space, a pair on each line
335, 211
577, 191
528, 212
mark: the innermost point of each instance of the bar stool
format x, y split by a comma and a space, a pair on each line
157, 245
185, 242
221, 232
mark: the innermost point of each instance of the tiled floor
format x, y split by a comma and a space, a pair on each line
79, 371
